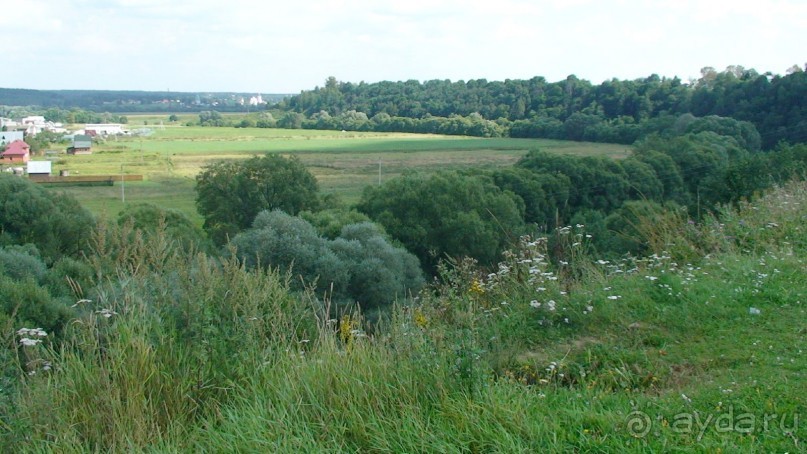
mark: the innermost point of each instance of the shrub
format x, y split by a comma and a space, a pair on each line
55, 223
358, 266
22, 262
177, 227
446, 214
231, 193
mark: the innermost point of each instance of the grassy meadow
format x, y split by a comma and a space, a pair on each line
696, 348
343, 162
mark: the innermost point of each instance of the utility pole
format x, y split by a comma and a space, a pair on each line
122, 186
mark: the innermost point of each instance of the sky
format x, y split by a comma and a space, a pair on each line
293, 45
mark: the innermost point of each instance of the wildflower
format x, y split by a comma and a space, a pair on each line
347, 326
686, 399
420, 319
589, 309
550, 305
535, 304
754, 311
35, 332
26, 342
651, 278
614, 297
476, 287
106, 313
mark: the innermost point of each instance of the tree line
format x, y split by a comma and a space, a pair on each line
479, 213
615, 110
130, 100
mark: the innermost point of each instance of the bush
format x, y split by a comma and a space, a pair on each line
446, 214
55, 223
230, 194
177, 227
358, 266
329, 223
22, 262
31, 306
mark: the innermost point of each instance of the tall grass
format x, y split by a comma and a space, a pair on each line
177, 352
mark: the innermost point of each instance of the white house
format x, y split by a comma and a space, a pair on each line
104, 129
33, 120
7, 122
256, 100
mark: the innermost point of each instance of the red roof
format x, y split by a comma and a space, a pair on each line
17, 148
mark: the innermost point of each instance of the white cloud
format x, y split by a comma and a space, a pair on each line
289, 46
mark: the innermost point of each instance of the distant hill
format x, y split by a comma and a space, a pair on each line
132, 101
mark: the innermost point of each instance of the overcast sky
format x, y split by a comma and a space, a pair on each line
292, 45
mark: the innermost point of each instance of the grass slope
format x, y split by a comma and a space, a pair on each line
698, 348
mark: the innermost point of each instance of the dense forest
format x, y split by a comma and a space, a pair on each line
618, 111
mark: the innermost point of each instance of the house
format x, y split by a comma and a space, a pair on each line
34, 124
16, 152
256, 100
33, 120
82, 144
10, 136
104, 129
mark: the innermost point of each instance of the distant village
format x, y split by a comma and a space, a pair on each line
16, 153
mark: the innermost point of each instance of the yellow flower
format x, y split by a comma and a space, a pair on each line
420, 319
476, 287
347, 326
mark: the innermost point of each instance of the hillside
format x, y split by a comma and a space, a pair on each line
697, 347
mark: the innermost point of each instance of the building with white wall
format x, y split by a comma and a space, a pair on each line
104, 129
10, 136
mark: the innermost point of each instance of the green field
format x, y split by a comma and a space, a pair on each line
343, 162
